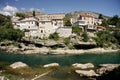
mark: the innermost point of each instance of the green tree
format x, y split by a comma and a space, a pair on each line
21, 15
67, 41
100, 16
116, 34
34, 13
85, 37
68, 23
76, 29
114, 20
54, 36
104, 39
11, 34
5, 21
105, 24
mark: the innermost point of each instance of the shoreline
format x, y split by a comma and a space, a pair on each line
45, 50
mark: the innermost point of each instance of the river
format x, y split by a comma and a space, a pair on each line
64, 60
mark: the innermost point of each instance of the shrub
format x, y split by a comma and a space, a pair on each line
54, 36
76, 30
66, 41
85, 37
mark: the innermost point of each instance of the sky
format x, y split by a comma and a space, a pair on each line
106, 7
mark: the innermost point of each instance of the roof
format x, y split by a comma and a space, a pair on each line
101, 27
86, 15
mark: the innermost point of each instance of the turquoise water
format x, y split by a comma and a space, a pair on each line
64, 60
64, 73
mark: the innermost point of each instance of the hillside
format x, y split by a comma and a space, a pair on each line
75, 14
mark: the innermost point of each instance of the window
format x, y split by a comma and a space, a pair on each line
41, 31
43, 22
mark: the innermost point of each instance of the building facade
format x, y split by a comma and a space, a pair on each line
40, 26
87, 22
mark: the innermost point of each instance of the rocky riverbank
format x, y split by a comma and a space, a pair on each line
45, 50
52, 47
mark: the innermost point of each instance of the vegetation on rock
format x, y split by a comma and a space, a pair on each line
54, 36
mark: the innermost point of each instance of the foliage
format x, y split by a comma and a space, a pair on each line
54, 36
76, 30
104, 39
34, 13
100, 16
116, 34
105, 23
5, 21
67, 41
114, 20
68, 23
11, 34
85, 37
7, 31
21, 15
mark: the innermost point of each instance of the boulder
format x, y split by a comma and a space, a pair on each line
83, 66
18, 65
106, 68
86, 73
51, 65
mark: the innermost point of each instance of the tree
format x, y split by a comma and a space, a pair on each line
114, 20
116, 34
100, 16
5, 21
104, 39
67, 41
68, 23
34, 13
105, 23
85, 37
76, 30
11, 34
21, 15
54, 36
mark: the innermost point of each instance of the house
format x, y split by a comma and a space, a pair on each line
101, 28
40, 26
64, 31
86, 22
48, 24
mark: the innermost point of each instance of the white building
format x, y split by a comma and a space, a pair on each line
64, 32
41, 26
86, 22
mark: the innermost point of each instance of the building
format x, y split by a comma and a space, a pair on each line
86, 22
48, 23
64, 31
101, 28
40, 26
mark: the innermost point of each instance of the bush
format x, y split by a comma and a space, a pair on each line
10, 34
66, 41
21, 15
54, 36
104, 39
85, 37
76, 30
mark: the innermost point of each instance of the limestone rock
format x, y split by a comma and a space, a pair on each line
83, 66
51, 65
106, 68
18, 65
87, 73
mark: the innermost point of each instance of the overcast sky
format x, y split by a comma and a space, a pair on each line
106, 7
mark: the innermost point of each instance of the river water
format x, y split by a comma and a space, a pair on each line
64, 60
